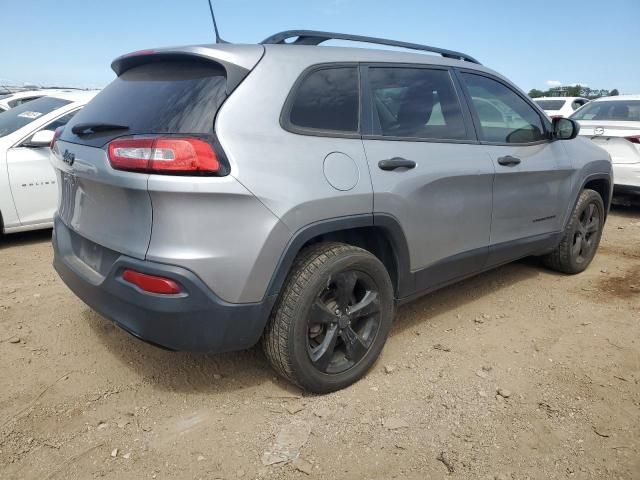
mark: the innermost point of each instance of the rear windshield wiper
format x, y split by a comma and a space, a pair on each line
88, 128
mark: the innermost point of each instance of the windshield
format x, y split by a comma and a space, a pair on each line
614, 110
16, 118
550, 104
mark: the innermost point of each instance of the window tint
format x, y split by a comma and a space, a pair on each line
550, 104
60, 122
617, 110
504, 116
22, 115
415, 103
327, 99
162, 97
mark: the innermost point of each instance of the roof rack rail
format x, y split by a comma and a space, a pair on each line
313, 37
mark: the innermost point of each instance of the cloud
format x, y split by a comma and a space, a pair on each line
553, 83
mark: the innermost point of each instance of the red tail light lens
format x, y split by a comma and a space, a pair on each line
56, 136
165, 155
634, 139
151, 283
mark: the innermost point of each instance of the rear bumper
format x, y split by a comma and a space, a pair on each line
195, 320
627, 176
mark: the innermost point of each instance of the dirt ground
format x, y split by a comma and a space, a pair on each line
80, 398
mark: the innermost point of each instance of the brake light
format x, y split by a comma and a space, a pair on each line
56, 135
165, 155
553, 117
633, 139
151, 283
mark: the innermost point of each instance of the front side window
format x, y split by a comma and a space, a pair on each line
415, 103
328, 100
503, 115
614, 110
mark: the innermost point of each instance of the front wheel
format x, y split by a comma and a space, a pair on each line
581, 237
332, 318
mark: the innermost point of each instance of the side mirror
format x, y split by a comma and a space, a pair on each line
565, 128
43, 138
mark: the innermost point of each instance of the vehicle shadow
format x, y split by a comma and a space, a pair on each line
228, 372
627, 206
25, 238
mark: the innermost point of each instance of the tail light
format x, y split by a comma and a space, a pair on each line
151, 283
553, 117
633, 139
164, 155
56, 135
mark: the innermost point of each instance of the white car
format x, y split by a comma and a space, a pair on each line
28, 190
560, 106
14, 99
614, 124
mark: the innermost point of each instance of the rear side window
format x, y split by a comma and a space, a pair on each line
327, 100
161, 97
504, 116
550, 104
415, 103
16, 118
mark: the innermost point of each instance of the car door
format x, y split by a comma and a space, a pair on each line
32, 178
427, 169
532, 172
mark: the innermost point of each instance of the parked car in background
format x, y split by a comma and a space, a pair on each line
560, 106
613, 123
362, 180
14, 99
28, 186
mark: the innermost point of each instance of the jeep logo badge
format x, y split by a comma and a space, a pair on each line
68, 157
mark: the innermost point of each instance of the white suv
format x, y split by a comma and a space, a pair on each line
560, 106
28, 190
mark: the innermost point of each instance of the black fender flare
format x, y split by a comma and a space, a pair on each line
387, 223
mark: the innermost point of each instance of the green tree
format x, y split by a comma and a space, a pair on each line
535, 93
614, 92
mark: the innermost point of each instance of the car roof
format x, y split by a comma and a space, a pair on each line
559, 98
618, 98
66, 94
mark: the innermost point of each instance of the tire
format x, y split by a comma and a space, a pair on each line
574, 253
332, 318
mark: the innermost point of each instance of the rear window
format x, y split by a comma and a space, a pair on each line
161, 97
616, 110
327, 100
550, 104
14, 119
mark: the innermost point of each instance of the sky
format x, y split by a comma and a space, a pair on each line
535, 44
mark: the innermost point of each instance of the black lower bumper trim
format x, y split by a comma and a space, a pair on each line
196, 321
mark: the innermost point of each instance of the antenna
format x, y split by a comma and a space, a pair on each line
215, 25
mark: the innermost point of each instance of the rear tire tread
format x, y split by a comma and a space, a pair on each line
276, 337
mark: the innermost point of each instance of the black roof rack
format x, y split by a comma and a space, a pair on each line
312, 37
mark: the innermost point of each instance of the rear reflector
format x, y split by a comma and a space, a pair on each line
164, 155
633, 139
151, 283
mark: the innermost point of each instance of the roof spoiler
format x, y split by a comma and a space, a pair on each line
313, 37
234, 73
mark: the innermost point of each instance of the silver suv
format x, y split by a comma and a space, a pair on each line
214, 196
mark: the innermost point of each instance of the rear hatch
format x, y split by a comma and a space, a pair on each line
621, 139
172, 92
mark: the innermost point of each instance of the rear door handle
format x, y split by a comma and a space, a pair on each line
396, 162
508, 161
